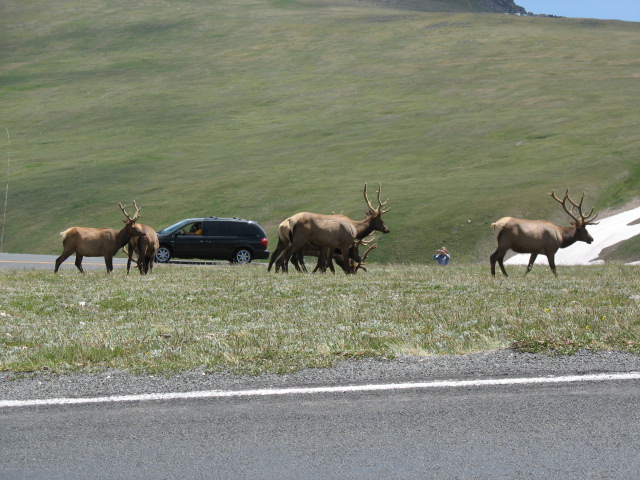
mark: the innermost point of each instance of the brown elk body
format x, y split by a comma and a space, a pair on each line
284, 240
97, 242
334, 231
284, 235
540, 237
146, 246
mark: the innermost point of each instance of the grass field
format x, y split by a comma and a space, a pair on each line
245, 320
261, 109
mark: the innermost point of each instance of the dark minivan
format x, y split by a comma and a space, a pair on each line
213, 238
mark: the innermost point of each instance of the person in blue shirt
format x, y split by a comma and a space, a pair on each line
442, 256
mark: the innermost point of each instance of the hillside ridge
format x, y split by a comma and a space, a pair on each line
487, 6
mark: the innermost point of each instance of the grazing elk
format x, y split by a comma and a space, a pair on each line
334, 231
540, 237
284, 240
146, 245
98, 242
325, 260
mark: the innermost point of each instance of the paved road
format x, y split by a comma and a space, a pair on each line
584, 430
22, 261
566, 430
48, 262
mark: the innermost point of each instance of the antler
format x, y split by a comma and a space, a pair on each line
587, 219
360, 264
380, 203
136, 216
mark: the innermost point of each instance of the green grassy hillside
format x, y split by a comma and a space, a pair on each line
263, 108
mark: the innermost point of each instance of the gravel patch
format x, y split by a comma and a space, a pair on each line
502, 363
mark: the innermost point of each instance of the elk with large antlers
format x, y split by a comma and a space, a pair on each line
541, 237
98, 242
335, 231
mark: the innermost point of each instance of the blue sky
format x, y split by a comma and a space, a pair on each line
628, 10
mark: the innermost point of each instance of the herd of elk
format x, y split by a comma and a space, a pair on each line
333, 238
306, 231
541, 237
98, 242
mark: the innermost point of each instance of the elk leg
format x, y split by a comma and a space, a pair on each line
532, 259
108, 261
322, 260
552, 263
149, 264
493, 258
347, 263
79, 262
301, 267
284, 259
295, 261
129, 261
61, 259
142, 260
330, 264
280, 265
501, 263
274, 255
498, 256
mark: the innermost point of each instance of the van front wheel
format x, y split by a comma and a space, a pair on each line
242, 256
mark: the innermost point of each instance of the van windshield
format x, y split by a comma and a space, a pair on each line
175, 226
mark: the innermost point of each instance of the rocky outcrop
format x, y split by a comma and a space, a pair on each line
501, 6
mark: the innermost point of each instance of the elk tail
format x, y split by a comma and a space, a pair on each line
499, 225
291, 228
66, 233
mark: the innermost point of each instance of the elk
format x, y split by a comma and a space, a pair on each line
284, 234
98, 242
334, 231
357, 261
298, 259
284, 240
541, 237
146, 245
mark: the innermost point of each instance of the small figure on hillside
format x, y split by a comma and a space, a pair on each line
442, 256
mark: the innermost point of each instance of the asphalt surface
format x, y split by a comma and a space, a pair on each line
25, 261
588, 430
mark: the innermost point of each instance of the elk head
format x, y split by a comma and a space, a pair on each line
579, 223
130, 223
375, 214
367, 243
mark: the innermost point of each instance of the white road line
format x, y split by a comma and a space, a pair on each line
312, 390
